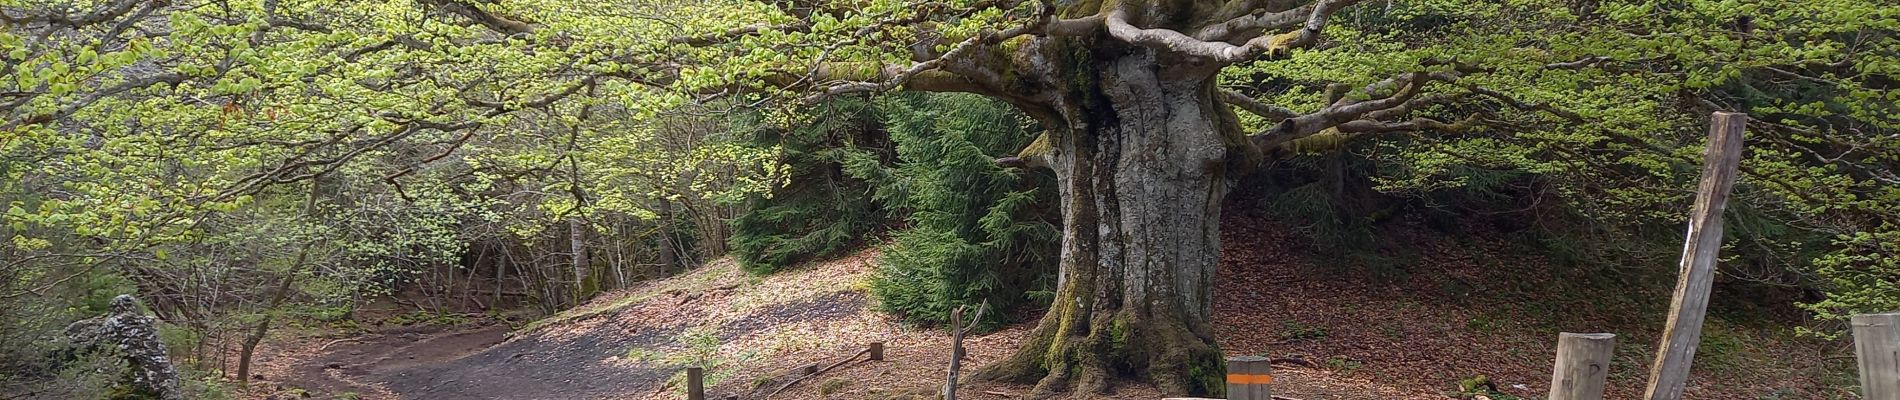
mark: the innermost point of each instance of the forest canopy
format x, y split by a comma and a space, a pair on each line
235, 161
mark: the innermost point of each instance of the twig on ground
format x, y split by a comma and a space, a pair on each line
334, 342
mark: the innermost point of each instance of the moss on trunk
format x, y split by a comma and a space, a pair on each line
1141, 154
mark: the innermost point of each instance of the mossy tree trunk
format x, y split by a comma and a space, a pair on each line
1141, 149
1144, 145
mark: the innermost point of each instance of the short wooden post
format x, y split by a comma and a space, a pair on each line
1689, 306
1248, 377
1877, 345
1583, 364
877, 351
695, 383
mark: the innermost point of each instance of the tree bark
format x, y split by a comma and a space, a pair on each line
1141, 155
668, 254
577, 246
281, 294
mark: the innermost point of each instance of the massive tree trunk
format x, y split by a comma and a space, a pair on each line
1143, 144
1141, 149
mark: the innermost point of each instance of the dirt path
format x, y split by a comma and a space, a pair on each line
368, 366
467, 363
759, 331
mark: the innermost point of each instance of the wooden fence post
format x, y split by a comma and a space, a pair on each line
1247, 378
1877, 346
1689, 306
877, 351
1583, 364
695, 383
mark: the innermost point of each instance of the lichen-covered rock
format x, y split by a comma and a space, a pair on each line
134, 336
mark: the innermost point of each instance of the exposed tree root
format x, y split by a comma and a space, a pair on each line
1092, 358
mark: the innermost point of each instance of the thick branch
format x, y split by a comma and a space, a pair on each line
492, 21
1222, 51
1415, 124
1075, 26
1252, 24
940, 77
1409, 86
109, 12
1269, 111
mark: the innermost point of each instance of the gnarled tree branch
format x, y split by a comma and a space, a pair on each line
1345, 110
1269, 111
1221, 51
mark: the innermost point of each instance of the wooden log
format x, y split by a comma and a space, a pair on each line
1877, 346
1248, 378
801, 377
1689, 306
695, 383
1583, 364
877, 351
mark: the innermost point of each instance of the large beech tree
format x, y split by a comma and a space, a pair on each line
1144, 143
1150, 109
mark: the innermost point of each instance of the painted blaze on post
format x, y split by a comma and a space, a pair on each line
1248, 377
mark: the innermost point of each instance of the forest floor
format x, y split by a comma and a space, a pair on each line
1417, 335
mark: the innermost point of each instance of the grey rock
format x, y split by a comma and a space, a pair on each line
135, 336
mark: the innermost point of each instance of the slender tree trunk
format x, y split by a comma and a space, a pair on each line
249, 347
506, 259
277, 297
1141, 155
577, 244
668, 254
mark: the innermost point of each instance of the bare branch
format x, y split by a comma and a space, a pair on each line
1415, 124
492, 21
70, 108
1515, 103
1222, 51
891, 77
1580, 63
1254, 23
109, 12
1075, 26
1271, 112
735, 33
1409, 85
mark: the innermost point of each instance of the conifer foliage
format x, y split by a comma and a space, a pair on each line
823, 211
977, 232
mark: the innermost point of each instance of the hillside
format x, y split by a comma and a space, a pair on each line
1361, 337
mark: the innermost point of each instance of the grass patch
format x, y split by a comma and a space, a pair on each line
834, 385
430, 318
1343, 365
1296, 330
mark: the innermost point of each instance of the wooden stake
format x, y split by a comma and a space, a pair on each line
1248, 377
1583, 364
1670, 373
877, 351
695, 383
1877, 346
